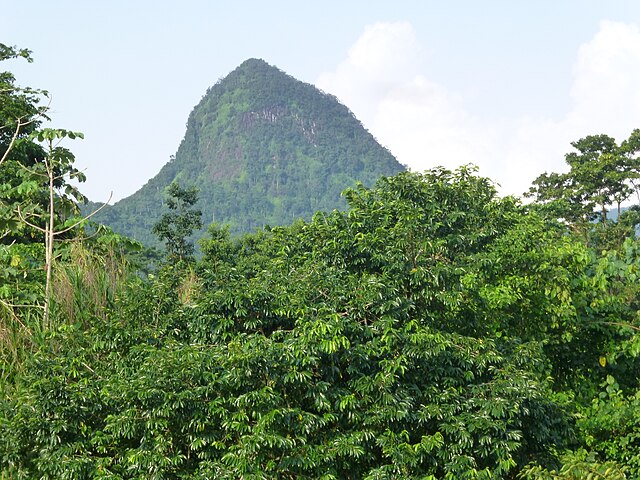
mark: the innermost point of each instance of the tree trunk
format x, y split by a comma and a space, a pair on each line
48, 243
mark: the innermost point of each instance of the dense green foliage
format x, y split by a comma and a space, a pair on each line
262, 148
432, 330
175, 226
602, 174
20, 245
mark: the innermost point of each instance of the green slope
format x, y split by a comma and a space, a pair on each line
262, 148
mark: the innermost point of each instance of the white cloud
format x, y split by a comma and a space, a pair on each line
425, 125
385, 56
606, 79
384, 81
605, 99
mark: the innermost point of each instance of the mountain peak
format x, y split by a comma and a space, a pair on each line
254, 67
252, 63
262, 148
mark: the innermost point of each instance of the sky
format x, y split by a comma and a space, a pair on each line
506, 85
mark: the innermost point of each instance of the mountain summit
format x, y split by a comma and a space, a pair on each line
262, 148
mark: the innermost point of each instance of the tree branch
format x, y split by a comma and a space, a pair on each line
58, 232
40, 229
622, 324
13, 140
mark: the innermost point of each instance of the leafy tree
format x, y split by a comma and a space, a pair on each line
602, 173
20, 245
20, 113
175, 226
55, 171
20, 116
630, 149
38, 207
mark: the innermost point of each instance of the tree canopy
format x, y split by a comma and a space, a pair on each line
416, 335
176, 225
602, 173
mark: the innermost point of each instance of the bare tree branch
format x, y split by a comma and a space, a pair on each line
13, 140
40, 229
58, 232
14, 137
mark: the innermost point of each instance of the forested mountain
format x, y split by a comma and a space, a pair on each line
262, 148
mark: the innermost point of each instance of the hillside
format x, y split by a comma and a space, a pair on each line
262, 148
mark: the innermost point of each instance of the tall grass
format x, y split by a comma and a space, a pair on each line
21, 295
86, 283
20, 335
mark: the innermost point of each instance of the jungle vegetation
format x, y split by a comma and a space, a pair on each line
431, 329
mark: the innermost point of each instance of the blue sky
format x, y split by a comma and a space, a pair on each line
504, 84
